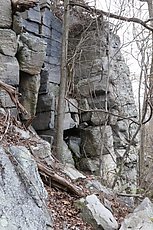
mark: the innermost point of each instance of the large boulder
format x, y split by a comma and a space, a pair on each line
72, 172
95, 213
31, 54
69, 123
141, 218
92, 139
22, 193
44, 121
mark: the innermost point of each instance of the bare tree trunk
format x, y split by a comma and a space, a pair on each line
143, 128
62, 90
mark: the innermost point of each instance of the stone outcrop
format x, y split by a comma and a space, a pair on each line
100, 80
102, 84
94, 212
26, 196
8, 42
141, 218
96, 128
99, 96
9, 66
31, 54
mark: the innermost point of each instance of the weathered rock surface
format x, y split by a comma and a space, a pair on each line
67, 155
29, 86
72, 172
22, 193
94, 212
31, 54
74, 145
141, 218
8, 42
6, 14
92, 140
44, 121
69, 123
5, 99
42, 151
102, 84
9, 70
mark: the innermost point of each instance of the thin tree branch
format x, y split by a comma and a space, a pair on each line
111, 15
13, 95
103, 111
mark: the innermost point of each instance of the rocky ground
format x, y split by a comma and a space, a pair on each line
67, 216
74, 199
62, 204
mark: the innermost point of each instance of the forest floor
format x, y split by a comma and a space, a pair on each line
66, 215
61, 203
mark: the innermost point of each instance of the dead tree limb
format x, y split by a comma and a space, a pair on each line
13, 95
7, 123
60, 180
111, 15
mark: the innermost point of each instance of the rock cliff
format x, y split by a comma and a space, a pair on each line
99, 111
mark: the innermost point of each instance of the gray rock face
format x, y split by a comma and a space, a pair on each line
9, 70
98, 118
29, 86
8, 42
46, 103
97, 142
44, 120
89, 165
42, 150
69, 123
92, 140
23, 203
31, 54
141, 218
5, 99
6, 14
71, 106
74, 145
72, 172
94, 212
67, 155
102, 83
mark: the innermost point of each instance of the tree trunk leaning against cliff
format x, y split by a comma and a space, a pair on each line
62, 89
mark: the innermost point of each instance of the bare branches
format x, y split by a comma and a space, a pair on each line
103, 111
111, 15
7, 123
13, 95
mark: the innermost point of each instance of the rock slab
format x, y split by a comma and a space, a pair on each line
20, 205
141, 218
94, 212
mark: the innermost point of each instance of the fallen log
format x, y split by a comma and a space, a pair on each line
63, 183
